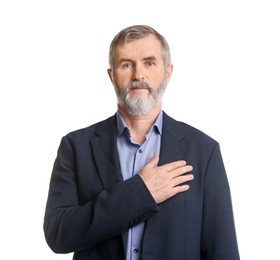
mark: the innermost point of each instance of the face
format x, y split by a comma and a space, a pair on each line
139, 75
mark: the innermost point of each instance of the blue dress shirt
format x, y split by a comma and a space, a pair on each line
133, 157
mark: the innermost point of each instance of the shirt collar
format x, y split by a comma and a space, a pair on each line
121, 124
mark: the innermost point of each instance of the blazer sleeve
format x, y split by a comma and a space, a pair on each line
70, 226
218, 230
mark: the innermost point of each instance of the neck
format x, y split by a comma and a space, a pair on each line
140, 125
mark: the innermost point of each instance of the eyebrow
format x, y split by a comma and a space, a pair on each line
125, 60
149, 58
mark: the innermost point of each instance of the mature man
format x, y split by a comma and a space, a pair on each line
140, 185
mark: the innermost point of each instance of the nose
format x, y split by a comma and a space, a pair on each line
138, 73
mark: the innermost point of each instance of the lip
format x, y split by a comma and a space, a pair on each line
139, 89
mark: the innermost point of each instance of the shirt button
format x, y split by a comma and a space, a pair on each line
136, 251
140, 151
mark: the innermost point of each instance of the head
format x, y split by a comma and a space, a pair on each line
140, 68
134, 33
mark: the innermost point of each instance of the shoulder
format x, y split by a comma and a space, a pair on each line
189, 133
95, 129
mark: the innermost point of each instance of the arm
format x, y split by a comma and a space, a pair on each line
71, 226
218, 231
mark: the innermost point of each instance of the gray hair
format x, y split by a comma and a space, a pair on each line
137, 32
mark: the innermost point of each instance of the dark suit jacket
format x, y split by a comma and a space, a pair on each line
89, 207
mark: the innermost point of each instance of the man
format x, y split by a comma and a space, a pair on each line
140, 185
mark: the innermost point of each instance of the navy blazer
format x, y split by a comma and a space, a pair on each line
90, 207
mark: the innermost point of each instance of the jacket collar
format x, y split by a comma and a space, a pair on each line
104, 147
105, 152
172, 148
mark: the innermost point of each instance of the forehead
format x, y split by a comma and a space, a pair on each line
140, 48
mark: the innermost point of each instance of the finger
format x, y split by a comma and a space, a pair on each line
173, 165
180, 188
180, 171
153, 162
182, 179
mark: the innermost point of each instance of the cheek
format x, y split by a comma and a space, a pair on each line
157, 79
122, 79
121, 83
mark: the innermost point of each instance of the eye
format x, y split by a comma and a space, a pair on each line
150, 63
126, 65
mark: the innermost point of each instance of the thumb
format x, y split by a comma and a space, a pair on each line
153, 162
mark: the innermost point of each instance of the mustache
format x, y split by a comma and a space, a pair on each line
139, 84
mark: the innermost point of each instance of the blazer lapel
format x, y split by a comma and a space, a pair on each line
172, 148
105, 153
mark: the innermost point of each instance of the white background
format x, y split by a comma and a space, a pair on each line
53, 61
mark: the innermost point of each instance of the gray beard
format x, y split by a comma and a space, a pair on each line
137, 106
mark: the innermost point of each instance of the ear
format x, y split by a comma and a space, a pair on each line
169, 71
110, 73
